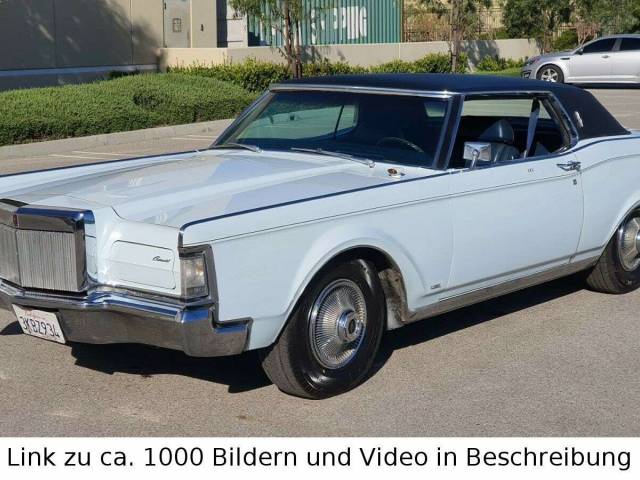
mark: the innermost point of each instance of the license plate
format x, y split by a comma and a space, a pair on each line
39, 324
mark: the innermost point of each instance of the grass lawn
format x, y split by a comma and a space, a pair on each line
127, 103
509, 72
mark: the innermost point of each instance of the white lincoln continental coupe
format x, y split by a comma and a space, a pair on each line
332, 210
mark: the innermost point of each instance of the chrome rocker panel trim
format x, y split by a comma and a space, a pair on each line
109, 317
449, 304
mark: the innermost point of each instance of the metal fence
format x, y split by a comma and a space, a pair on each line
337, 21
422, 25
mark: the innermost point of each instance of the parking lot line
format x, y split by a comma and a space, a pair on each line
75, 156
102, 153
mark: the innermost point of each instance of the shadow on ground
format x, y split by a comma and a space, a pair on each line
243, 373
456, 320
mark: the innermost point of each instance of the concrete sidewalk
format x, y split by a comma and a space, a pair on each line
114, 146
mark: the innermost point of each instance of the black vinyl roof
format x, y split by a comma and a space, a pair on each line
437, 82
597, 121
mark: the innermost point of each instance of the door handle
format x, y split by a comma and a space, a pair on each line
572, 165
605, 56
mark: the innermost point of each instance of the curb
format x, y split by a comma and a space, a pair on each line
60, 146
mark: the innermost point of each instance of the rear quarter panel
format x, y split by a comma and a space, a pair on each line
611, 186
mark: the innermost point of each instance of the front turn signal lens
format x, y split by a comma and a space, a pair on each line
194, 276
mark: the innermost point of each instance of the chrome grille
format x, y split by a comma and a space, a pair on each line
9, 269
47, 260
43, 248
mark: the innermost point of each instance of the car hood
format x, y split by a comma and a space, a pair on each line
173, 191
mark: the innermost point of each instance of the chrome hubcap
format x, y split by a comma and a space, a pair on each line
549, 75
338, 322
629, 244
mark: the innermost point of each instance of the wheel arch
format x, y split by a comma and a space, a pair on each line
390, 277
632, 205
562, 68
393, 271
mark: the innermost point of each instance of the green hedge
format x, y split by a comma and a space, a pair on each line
256, 76
128, 103
497, 64
507, 72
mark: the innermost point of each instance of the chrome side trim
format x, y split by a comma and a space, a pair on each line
487, 293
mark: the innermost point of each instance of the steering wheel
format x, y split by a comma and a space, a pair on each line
401, 141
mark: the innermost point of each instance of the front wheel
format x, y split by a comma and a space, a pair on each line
551, 73
333, 334
618, 269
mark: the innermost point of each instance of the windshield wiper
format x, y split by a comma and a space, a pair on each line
320, 151
237, 146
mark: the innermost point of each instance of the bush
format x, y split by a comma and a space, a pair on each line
496, 64
252, 75
325, 67
567, 40
127, 103
256, 76
434, 63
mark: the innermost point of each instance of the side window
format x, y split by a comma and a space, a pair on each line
630, 43
501, 125
600, 46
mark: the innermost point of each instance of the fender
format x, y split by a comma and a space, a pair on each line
342, 240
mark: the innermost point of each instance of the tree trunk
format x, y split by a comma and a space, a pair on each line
454, 35
288, 40
298, 68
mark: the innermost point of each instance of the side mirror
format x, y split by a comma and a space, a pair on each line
580, 51
477, 153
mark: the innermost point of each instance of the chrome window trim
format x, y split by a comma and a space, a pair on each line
283, 87
248, 111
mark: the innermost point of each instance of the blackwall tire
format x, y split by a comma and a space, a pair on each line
618, 269
332, 337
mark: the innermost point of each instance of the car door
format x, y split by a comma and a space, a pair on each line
512, 218
592, 63
625, 61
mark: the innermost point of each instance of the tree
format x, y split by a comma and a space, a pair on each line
463, 16
284, 17
536, 18
593, 17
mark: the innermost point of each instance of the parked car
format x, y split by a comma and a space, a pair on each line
613, 59
334, 209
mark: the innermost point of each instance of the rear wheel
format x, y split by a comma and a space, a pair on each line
551, 73
333, 334
618, 270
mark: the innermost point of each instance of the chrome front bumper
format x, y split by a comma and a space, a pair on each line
103, 317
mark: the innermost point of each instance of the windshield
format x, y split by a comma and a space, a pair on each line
393, 128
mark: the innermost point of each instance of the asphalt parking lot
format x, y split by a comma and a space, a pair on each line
550, 360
